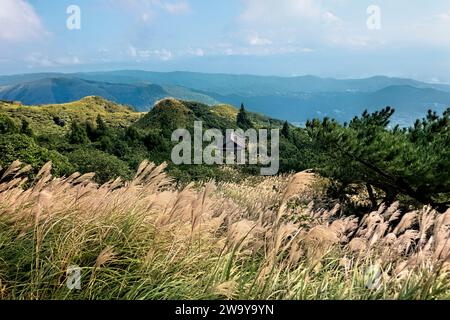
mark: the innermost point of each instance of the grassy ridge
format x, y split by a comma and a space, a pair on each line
41, 117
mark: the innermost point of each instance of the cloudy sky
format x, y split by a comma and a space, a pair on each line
276, 37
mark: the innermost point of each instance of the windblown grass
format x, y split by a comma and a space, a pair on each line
145, 239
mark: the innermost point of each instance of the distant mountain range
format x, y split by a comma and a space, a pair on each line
140, 96
295, 99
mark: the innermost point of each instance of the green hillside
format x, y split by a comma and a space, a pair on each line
97, 135
172, 114
42, 118
177, 113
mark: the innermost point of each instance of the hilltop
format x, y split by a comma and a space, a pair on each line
181, 114
177, 113
42, 118
94, 134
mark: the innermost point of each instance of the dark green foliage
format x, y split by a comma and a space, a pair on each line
7, 125
78, 134
132, 134
297, 151
154, 141
25, 128
102, 128
106, 166
243, 120
285, 131
24, 148
412, 162
91, 131
59, 122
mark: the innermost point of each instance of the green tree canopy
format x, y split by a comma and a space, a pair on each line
24, 148
285, 131
78, 134
106, 166
412, 162
243, 120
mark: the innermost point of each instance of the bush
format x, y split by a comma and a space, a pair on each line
78, 134
7, 125
106, 166
24, 148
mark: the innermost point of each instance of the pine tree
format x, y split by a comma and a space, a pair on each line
243, 121
25, 128
102, 128
77, 134
286, 131
412, 162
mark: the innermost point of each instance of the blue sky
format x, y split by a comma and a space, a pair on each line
276, 37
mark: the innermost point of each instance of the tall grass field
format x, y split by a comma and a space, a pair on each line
263, 239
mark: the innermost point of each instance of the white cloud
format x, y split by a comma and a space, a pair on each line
37, 59
196, 52
288, 26
146, 10
180, 7
282, 10
443, 16
330, 17
145, 55
256, 40
199, 52
69, 60
427, 30
163, 54
229, 49
19, 22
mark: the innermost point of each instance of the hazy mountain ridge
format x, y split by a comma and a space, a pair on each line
291, 98
66, 89
233, 83
410, 103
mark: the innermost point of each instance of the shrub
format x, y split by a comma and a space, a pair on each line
7, 125
24, 148
106, 166
78, 134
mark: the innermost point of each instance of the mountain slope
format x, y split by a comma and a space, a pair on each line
42, 118
255, 85
410, 103
225, 84
62, 90
295, 99
171, 114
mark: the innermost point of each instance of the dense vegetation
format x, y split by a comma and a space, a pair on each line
96, 135
365, 156
370, 221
